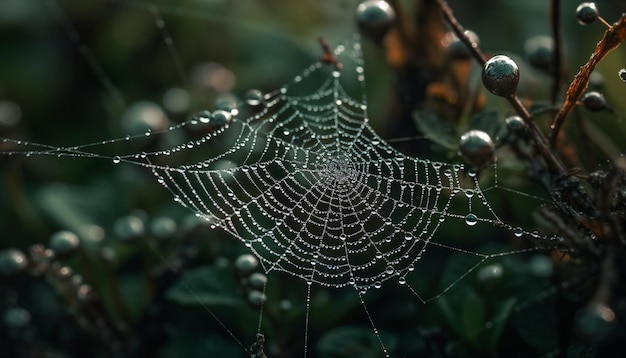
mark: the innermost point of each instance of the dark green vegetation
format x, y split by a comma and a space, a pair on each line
139, 278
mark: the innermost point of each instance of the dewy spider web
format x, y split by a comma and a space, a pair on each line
313, 191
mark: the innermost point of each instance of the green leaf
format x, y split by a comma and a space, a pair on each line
501, 318
436, 129
472, 318
542, 337
206, 286
489, 121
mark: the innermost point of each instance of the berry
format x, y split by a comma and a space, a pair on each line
129, 227
375, 18
227, 103
257, 280
501, 76
12, 261
490, 275
477, 148
220, 118
622, 74
515, 123
587, 12
256, 298
540, 52
17, 317
246, 263
457, 48
163, 227
64, 243
594, 101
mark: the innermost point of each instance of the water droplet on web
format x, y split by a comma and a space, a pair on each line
518, 232
220, 117
116, 159
471, 219
343, 237
408, 236
389, 270
469, 193
336, 74
377, 284
254, 97
402, 280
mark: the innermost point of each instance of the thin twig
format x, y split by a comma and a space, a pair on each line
459, 31
557, 36
615, 35
553, 161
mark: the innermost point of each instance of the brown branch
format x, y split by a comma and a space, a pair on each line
459, 31
557, 36
615, 35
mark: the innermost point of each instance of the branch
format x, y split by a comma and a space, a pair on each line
615, 35
557, 36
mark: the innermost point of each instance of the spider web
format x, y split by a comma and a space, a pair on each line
313, 191
301, 178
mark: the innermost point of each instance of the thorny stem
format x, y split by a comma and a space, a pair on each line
557, 35
553, 161
615, 35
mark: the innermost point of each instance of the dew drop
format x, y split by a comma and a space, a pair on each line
389, 270
254, 97
518, 232
117, 159
377, 284
470, 219
402, 280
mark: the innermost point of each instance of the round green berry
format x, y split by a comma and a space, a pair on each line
501, 76
64, 243
477, 148
594, 101
375, 18
587, 13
